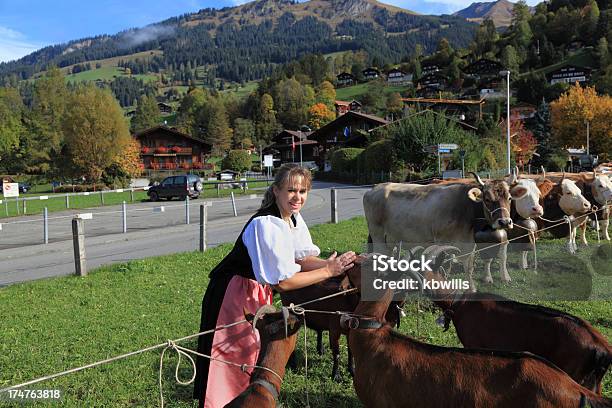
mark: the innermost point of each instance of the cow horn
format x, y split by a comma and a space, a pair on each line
543, 173
514, 176
435, 251
478, 179
265, 309
562, 178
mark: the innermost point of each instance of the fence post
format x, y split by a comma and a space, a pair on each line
334, 206
187, 210
24, 207
6, 207
234, 204
218, 190
102, 197
78, 242
45, 225
132, 195
124, 213
67, 201
203, 216
17, 205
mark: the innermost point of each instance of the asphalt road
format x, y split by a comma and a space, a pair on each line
23, 256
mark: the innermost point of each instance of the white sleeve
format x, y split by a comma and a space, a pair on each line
268, 241
303, 241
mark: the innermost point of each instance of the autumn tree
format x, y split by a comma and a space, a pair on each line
326, 94
570, 114
95, 130
219, 133
266, 124
147, 114
395, 105
522, 142
244, 132
319, 115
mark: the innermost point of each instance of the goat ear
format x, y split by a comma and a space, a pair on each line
475, 195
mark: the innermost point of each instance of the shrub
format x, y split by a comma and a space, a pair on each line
378, 156
237, 160
346, 160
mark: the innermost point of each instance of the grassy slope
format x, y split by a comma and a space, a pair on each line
56, 324
581, 58
356, 91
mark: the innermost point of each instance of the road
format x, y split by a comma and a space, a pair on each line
23, 257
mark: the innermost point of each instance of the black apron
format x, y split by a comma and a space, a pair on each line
237, 262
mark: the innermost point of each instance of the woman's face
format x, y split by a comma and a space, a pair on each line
291, 196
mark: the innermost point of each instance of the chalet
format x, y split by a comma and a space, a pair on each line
346, 130
429, 68
164, 108
433, 80
286, 147
164, 148
396, 76
345, 79
342, 107
569, 74
370, 73
483, 68
523, 111
466, 110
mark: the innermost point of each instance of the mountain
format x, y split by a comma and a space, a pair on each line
499, 11
246, 42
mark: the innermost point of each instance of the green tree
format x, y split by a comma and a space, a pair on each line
95, 129
395, 105
244, 132
237, 160
219, 133
292, 102
11, 128
590, 18
147, 114
510, 60
266, 126
485, 38
326, 94
191, 104
542, 132
603, 52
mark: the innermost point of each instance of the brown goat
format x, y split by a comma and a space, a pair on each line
492, 322
394, 370
276, 347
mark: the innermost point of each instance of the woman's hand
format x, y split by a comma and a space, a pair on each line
337, 265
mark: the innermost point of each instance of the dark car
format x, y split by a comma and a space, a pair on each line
24, 187
188, 185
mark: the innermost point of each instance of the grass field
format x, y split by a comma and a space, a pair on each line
56, 324
582, 58
107, 74
354, 92
57, 202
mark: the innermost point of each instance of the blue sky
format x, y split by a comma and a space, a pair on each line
28, 25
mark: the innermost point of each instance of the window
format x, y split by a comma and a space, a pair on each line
167, 181
180, 180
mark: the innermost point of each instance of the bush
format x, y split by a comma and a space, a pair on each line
79, 188
237, 160
346, 160
378, 156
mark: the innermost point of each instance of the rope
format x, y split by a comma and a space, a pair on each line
302, 312
596, 224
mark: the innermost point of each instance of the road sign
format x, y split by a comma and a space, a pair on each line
448, 146
268, 160
433, 149
10, 189
444, 151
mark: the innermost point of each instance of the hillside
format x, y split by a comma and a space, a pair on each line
500, 12
246, 42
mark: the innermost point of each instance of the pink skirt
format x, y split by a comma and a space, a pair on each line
238, 344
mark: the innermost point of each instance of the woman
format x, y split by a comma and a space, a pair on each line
272, 248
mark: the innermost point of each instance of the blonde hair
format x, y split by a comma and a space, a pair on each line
284, 175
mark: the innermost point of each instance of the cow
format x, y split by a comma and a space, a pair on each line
424, 214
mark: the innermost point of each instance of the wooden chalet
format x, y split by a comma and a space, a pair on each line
569, 74
346, 130
470, 109
429, 68
370, 73
286, 147
164, 148
433, 80
483, 68
343, 106
164, 108
345, 79
397, 76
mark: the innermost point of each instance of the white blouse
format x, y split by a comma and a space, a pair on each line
274, 247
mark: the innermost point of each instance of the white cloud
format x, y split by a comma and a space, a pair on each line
13, 45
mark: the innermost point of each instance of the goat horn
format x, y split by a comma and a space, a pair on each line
261, 312
478, 179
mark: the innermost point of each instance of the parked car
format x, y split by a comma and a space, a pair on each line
24, 187
188, 185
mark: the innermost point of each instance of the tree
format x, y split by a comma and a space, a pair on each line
571, 112
11, 128
219, 133
266, 126
603, 52
510, 60
319, 115
292, 102
237, 160
244, 132
95, 130
523, 143
485, 38
326, 93
147, 114
590, 17
541, 132
395, 105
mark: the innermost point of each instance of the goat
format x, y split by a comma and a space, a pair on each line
492, 322
278, 334
330, 322
394, 370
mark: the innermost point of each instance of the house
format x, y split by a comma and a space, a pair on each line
467, 110
345, 79
370, 73
523, 110
569, 74
346, 130
483, 68
429, 68
433, 80
287, 145
164, 148
342, 107
164, 108
397, 76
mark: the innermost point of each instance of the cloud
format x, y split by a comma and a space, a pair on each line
14, 45
138, 36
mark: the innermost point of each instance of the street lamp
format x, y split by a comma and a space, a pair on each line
507, 75
586, 121
303, 128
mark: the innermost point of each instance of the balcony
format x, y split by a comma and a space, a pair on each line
166, 151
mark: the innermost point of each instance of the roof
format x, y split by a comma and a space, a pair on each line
169, 130
342, 103
340, 120
446, 101
463, 124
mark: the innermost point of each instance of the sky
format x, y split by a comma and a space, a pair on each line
28, 25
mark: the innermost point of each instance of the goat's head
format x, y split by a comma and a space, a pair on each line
273, 324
